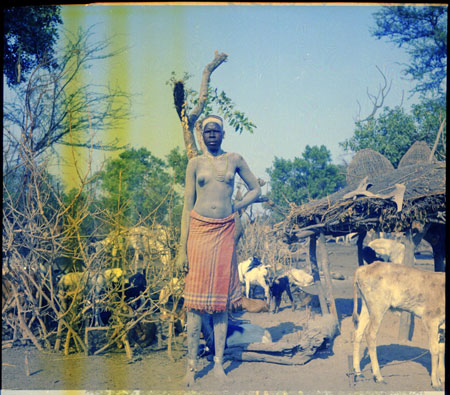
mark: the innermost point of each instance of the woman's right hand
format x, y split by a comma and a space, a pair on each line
182, 262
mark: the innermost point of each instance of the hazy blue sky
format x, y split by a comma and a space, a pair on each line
296, 71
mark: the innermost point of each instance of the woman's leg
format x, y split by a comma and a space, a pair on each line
220, 321
194, 325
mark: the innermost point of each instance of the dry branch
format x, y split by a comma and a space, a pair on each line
189, 121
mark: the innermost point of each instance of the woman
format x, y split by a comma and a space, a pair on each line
207, 244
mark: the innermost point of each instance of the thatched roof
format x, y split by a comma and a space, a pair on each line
419, 152
424, 201
367, 162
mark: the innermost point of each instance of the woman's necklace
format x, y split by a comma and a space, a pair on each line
219, 175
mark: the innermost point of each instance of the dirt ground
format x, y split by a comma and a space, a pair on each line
405, 365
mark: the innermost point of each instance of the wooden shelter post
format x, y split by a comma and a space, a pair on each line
316, 276
326, 274
359, 246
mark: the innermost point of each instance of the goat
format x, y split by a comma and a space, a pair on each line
385, 250
300, 278
252, 271
75, 284
143, 241
277, 288
347, 239
385, 285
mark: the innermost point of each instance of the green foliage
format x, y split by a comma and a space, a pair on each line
312, 176
216, 103
30, 34
390, 134
423, 32
394, 131
138, 185
178, 162
428, 116
220, 103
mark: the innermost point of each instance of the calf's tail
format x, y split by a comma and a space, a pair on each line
355, 316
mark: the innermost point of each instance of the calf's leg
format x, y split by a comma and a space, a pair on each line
435, 351
371, 337
441, 363
363, 321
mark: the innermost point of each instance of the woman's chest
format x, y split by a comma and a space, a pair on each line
211, 171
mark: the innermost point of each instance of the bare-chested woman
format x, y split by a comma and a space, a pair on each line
207, 245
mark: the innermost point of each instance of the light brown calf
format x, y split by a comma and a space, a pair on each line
383, 286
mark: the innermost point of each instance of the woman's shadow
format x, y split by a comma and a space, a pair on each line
276, 332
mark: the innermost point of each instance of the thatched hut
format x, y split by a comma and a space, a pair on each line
423, 201
419, 152
367, 162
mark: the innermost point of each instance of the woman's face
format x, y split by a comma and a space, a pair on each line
213, 136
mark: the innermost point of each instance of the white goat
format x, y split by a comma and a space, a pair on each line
252, 271
388, 250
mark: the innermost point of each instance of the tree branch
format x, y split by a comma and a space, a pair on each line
219, 58
441, 128
189, 121
376, 101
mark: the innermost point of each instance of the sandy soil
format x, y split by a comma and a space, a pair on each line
405, 365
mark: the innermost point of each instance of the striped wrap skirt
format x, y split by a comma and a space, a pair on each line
212, 283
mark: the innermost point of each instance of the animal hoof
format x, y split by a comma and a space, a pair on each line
380, 381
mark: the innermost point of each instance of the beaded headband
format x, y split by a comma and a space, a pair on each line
214, 119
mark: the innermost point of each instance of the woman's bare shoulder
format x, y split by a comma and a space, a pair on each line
235, 156
237, 159
195, 160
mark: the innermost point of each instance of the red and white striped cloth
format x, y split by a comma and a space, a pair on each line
212, 283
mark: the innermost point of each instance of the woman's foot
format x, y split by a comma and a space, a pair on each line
189, 378
219, 373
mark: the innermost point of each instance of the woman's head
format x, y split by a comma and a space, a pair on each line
213, 133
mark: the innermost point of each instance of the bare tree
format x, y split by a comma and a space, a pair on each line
41, 111
378, 99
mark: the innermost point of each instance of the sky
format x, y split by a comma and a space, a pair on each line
297, 71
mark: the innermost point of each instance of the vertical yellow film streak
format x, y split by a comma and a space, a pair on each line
119, 69
74, 159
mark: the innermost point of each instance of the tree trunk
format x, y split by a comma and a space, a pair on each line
316, 276
189, 121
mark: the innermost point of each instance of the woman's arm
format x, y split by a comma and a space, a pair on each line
189, 201
254, 190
